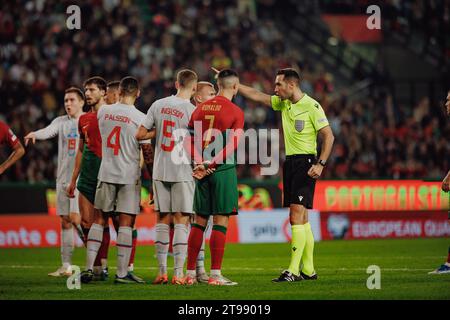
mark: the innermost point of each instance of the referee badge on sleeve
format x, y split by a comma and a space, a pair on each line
299, 125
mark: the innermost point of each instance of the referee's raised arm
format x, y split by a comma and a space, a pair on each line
255, 95
251, 93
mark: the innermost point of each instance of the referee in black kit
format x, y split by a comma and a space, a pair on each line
303, 120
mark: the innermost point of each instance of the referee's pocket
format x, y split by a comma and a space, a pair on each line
299, 125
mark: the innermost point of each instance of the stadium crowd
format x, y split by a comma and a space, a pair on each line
151, 41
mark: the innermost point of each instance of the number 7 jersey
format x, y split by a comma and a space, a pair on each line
121, 153
170, 116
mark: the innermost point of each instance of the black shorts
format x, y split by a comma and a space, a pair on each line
298, 187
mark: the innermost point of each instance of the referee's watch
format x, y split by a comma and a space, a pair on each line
322, 162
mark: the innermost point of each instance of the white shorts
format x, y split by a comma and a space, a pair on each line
64, 204
119, 198
171, 197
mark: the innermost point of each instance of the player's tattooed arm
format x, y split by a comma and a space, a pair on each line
148, 154
144, 134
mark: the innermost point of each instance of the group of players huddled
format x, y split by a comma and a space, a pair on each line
100, 157
101, 154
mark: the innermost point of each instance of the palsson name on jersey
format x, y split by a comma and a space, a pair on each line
118, 124
301, 122
168, 115
66, 128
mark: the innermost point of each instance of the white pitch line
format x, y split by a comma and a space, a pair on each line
231, 268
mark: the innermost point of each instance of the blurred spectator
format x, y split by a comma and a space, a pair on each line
150, 40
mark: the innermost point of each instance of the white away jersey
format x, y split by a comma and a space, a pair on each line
167, 115
118, 124
66, 129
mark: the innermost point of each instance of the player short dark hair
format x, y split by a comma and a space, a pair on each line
289, 74
98, 81
129, 86
225, 73
223, 78
75, 90
185, 77
113, 85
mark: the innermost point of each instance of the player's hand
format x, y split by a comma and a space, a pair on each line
315, 171
71, 190
31, 136
199, 172
1, 170
446, 183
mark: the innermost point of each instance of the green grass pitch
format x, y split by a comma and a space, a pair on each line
341, 266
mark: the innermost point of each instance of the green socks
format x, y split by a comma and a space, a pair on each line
298, 243
307, 258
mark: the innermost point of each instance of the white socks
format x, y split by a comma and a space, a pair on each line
162, 246
124, 247
66, 247
180, 239
94, 241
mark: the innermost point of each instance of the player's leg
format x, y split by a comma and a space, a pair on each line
128, 206
171, 232
444, 268
162, 237
217, 248
225, 203
87, 214
104, 202
298, 217
63, 209
202, 276
194, 244
180, 239
131, 274
75, 216
182, 197
298, 196
202, 207
101, 261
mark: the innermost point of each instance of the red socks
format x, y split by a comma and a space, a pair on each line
194, 244
103, 251
171, 232
133, 250
217, 246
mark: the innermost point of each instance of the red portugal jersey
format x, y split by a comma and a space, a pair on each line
216, 116
90, 133
7, 137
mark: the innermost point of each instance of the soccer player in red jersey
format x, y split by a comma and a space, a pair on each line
217, 125
7, 137
87, 165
